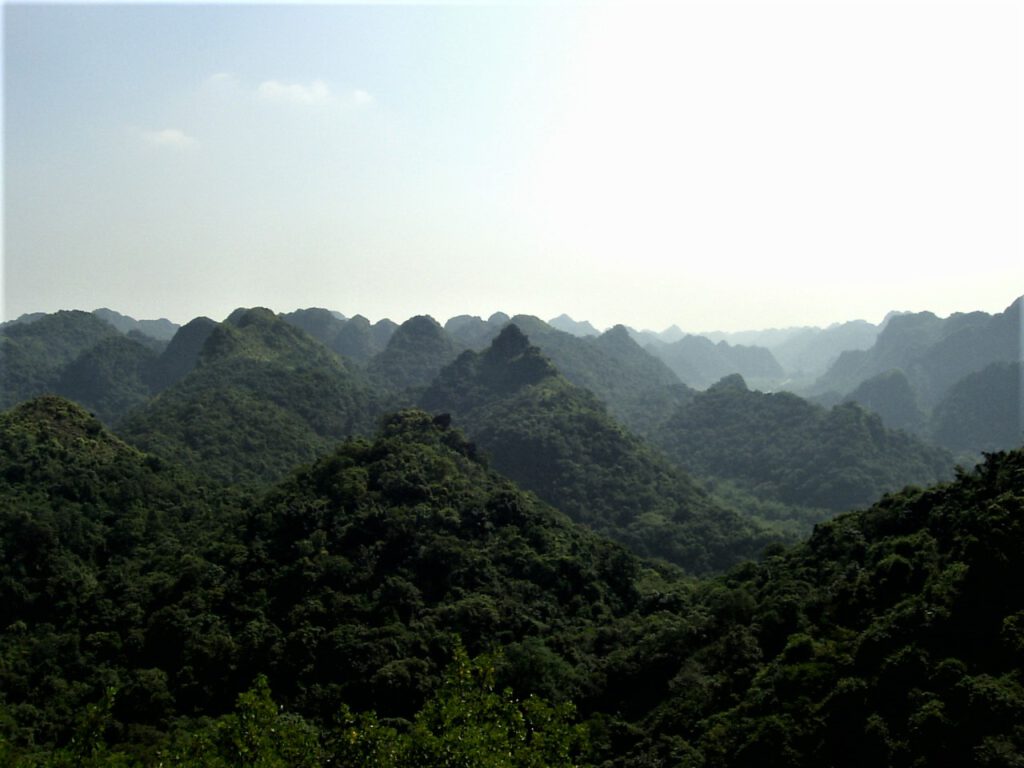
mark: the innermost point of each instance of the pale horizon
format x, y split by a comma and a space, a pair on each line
601, 327
719, 167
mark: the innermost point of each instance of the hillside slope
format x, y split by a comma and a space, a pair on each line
557, 440
893, 637
779, 446
262, 398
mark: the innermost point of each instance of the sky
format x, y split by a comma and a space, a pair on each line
717, 166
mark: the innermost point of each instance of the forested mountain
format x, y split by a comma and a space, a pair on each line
111, 378
810, 351
343, 585
577, 328
135, 600
939, 359
263, 397
933, 352
360, 340
669, 335
893, 637
639, 390
101, 544
288, 576
34, 354
557, 440
416, 351
472, 332
353, 338
162, 329
804, 353
82, 356
699, 363
891, 396
322, 324
779, 446
984, 411
182, 352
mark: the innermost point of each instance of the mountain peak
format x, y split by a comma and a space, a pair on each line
59, 417
246, 316
565, 323
511, 342
731, 383
618, 333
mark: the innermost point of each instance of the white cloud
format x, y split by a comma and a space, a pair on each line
222, 77
220, 81
315, 93
360, 98
173, 138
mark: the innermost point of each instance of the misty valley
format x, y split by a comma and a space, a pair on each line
306, 539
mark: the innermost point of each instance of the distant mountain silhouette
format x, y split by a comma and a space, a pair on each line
699, 362
472, 332
983, 412
934, 353
414, 354
360, 340
322, 324
565, 323
890, 395
162, 329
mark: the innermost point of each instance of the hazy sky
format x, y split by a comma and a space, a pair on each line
717, 166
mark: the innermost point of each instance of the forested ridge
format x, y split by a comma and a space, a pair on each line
557, 440
247, 546
782, 447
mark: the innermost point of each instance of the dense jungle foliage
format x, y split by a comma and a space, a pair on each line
262, 398
557, 440
275, 562
396, 602
781, 447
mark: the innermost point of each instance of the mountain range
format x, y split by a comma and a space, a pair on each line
344, 543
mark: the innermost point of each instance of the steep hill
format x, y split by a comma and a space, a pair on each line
416, 351
577, 328
891, 396
472, 332
557, 440
263, 397
933, 352
984, 411
386, 547
345, 584
360, 340
322, 324
34, 354
810, 351
99, 542
698, 362
162, 329
182, 352
779, 446
892, 638
111, 378
638, 389
137, 604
